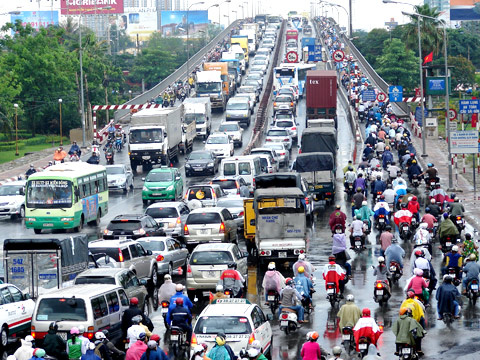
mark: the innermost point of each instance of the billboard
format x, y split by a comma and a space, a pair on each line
36, 19
174, 23
77, 7
462, 10
138, 21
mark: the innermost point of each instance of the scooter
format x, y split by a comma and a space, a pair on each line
165, 103
361, 116
288, 320
396, 270
118, 144
348, 340
273, 300
459, 223
405, 232
165, 304
332, 295
381, 292
431, 183
407, 352
472, 291
454, 275
380, 222
447, 242
178, 339
415, 181
363, 344
358, 246
338, 229
109, 157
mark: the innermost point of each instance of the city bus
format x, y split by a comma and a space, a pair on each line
291, 74
66, 196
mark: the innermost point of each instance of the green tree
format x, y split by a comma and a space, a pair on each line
463, 71
398, 66
10, 89
464, 43
371, 46
152, 65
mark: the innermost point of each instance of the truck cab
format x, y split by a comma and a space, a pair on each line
210, 84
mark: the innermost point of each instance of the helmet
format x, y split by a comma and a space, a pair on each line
388, 227
167, 277
468, 236
332, 258
74, 331
429, 164
350, 297
39, 353
142, 336
471, 257
427, 209
432, 201
378, 177
350, 168
358, 216
288, 281
53, 326
179, 287
198, 349
365, 312
81, 328
152, 345
336, 350
445, 215
418, 272
301, 269
452, 195
220, 339
301, 257
232, 265
405, 310
256, 344
155, 337
179, 301
219, 288
364, 203
410, 293
382, 197
314, 335
30, 338
105, 332
359, 189
338, 206
100, 335
252, 353
414, 198
381, 259
133, 301
136, 319
455, 248
419, 252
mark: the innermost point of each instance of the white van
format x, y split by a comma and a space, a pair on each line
247, 167
95, 306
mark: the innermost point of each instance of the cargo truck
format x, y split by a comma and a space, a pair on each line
209, 84
234, 70
241, 40
198, 111
240, 56
319, 139
252, 40
256, 28
154, 137
228, 85
321, 92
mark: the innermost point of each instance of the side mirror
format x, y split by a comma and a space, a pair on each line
26, 296
143, 179
177, 178
143, 282
245, 254
204, 141
149, 252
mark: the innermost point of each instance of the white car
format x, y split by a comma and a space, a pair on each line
239, 319
220, 145
234, 130
286, 121
119, 177
16, 309
279, 135
262, 57
12, 199
283, 155
270, 152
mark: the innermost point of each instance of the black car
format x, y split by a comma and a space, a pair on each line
132, 227
201, 162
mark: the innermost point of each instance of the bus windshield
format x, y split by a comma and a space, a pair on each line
284, 72
49, 194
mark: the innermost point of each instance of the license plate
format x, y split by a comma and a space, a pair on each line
283, 323
157, 194
405, 228
122, 237
379, 292
63, 335
47, 225
474, 286
318, 186
393, 268
282, 254
362, 346
345, 337
358, 243
330, 291
406, 351
164, 310
271, 298
459, 222
173, 337
146, 157
126, 346
210, 274
204, 231
448, 243
381, 220
206, 293
198, 169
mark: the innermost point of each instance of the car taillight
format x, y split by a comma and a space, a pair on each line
307, 201
160, 258
241, 213
284, 316
179, 220
185, 230
214, 194
291, 104
222, 228
189, 269
286, 139
32, 331
299, 151
294, 128
268, 139
251, 339
274, 104
253, 182
120, 255
107, 232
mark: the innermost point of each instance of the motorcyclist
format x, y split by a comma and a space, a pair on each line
54, 344
273, 280
414, 207
431, 173
393, 171
303, 284
382, 208
403, 216
221, 350
219, 294
439, 195
418, 309
447, 295
469, 247
418, 284
232, 279
365, 213
366, 327
38, 354
257, 346
435, 210
75, 149
111, 129
387, 157
349, 167
289, 298
447, 228
302, 261
407, 331
114, 351
163, 356
423, 237
453, 260
311, 349
456, 208
153, 352
349, 313
90, 353
334, 273
389, 195
136, 329
471, 269
382, 272
421, 262
74, 344
167, 290
386, 238
181, 317
133, 310
101, 348
25, 351
357, 228
336, 352
400, 189
93, 159
186, 301
339, 249
31, 170
59, 155
378, 186
395, 253
337, 217
414, 169
357, 200
361, 182
428, 218
137, 349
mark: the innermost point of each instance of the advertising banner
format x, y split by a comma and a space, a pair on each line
77, 7
141, 21
36, 19
464, 10
174, 23
464, 142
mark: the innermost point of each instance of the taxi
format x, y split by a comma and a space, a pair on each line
240, 320
16, 311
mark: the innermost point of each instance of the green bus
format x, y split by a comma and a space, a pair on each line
66, 196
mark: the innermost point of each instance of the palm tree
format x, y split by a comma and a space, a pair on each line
431, 31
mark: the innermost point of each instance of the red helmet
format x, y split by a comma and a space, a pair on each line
414, 198
288, 281
332, 258
410, 293
179, 301
133, 301
155, 337
365, 312
412, 155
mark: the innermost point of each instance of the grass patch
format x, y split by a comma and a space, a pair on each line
9, 155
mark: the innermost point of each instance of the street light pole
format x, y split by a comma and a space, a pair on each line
233, 11
188, 28
214, 5
16, 129
219, 13
61, 133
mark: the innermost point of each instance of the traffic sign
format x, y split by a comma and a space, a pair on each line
464, 142
338, 55
369, 95
469, 106
395, 93
381, 97
292, 57
452, 114
418, 115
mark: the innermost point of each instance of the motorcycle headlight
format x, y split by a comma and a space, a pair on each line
170, 188
145, 188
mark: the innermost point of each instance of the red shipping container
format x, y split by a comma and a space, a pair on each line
321, 88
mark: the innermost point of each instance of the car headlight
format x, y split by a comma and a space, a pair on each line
31, 219
210, 164
11, 203
145, 188
188, 165
170, 188
120, 181
67, 219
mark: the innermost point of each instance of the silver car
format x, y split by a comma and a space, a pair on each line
232, 185
169, 252
270, 152
281, 152
289, 124
119, 177
231, 128
279, 135
284, 103
12, 199
234, 204
171, 215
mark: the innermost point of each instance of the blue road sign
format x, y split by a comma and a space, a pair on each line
395, 93
469, 106
369, 95
318, 53
296, 23
418, 115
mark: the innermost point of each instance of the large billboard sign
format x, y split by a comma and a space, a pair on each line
36, 19
462, 10
174, 23
77, 7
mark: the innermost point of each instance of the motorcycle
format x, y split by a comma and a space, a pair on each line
338, 229
454, 275
415, 181
358, 246
472, 291
447, 242
172, 102
165, 103
363, 344
165, 304
460, 223
228, 293
396, 270
288, 320
332, 295
448, 318
74, 157
109, 157
431, 183
376, 196
361, 116
273, 300
350, 190
381, 293
407, 352
348, 340
118, 144
405, 232
178, 339
380, 222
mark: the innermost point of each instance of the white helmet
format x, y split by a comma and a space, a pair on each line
271, 266
455, 248
381, 259
350, 297
256, 344
364, 203
423, 225
252, 352
219, 288
99, 335
198, 349
301, 257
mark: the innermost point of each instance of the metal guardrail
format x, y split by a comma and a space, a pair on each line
180, 73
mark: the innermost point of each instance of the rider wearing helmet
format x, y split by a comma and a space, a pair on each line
349, 313
453, 260
302, 261
403, 215
114, 351
366, 327
54, 344
290, 298
395, 252
311, 349
337, 217
382, 272
232, 279
334, 273
336, 352
273, 280
186, 301
303, 284
74, 344
181, 317
136, 329
101, 348
219, 294
167, 290
471, 269
407, 330
128, 314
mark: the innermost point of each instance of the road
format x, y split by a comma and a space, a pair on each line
441, 342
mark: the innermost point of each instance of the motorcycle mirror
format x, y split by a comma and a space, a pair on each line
195, 299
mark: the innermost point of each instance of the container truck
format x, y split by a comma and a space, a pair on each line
233, 64
228, 85
240, 56
209, 84
241, 40
199, 111
321, 89
154, 137
252, 40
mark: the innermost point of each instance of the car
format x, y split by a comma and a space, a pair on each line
119, 177
291, 48
240, 320
284, 103
268, 43
238, 109
206, 264
131, 227
125, 278
164, 183
170, 215
263, 52
279, 135
170, 253
258, 67
281, 151
268, 163
232, 185
250, 97
126, 254
269, 152
256, 85
201, 162
263, 57
286, 121
233, 129
255, 76
213, 224
288, 90
12, 199
16, 309
207, 194
219, 144
250, 89
234, 204
291, 42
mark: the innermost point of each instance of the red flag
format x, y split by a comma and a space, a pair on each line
474, 117
428, 58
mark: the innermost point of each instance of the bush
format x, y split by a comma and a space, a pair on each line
10, 147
